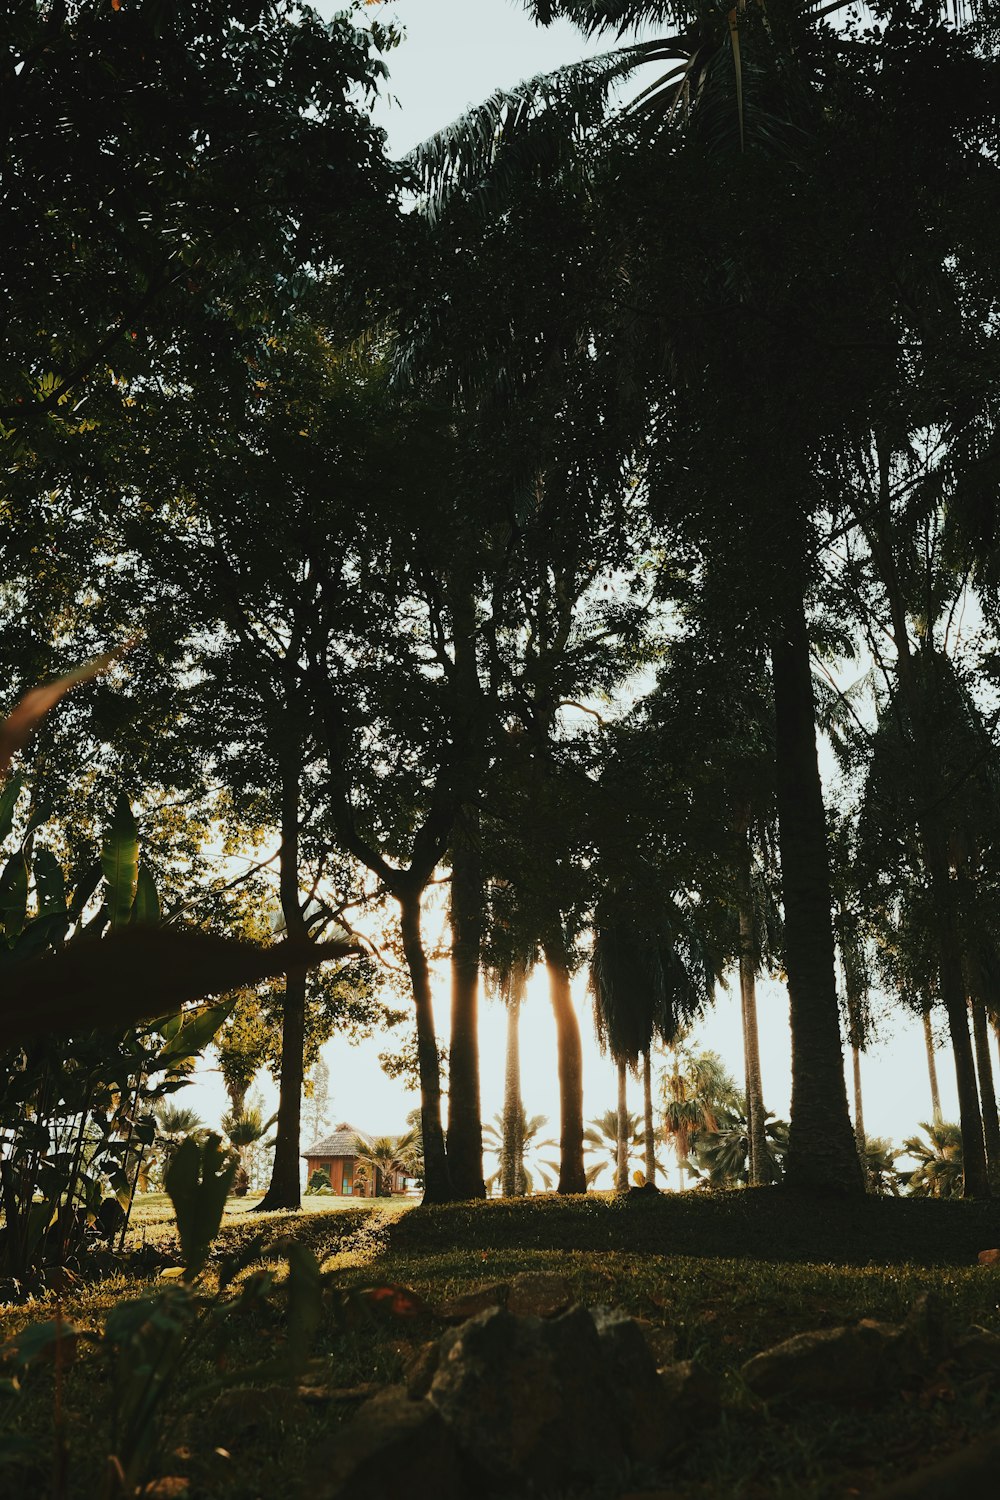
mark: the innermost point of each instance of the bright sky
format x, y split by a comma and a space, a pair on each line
454, 56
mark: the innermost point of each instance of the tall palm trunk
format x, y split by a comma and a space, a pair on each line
647, 1117
284, 1190
821, 1150
465, 1129
572, 1175
756, 1114
512, 1145
437, 1179
934, 843
936, 1115
621, 1155
987, 1091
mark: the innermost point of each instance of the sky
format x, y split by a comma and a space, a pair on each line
454, 56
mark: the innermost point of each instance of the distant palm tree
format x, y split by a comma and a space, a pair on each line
530, 1126
879, 1161
721, 1157
602, 1138
940, 1173
245, 1129
696, 1092
385, 1155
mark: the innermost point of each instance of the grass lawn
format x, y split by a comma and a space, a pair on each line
723, 1277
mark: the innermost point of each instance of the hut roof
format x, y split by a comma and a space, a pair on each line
340, 1143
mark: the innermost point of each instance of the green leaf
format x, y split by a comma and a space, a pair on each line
146, 906
14, 896
120, 862
8, 801
39, 1341
305, 1302
197, 1181
194, 1034
50, 887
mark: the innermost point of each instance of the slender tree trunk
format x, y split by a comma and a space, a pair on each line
284, 1190
859, 1113
821, 1151
572, 1175
977, 1182
465, 1126
936, 1115
987, 1091
935, 849
621, 1161
647, 1114
437, 1179
996, 1033
756, 1114
512, 1146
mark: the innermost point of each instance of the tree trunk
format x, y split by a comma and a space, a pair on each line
932, 1066
756, 1114
934, 843
996, 1033
821, 1151
621, 1156
572, 1175
647, 1114
437, 1179
512, 1145
465, 1126
976, 1175
987, 1092
285, 1190
859, 1113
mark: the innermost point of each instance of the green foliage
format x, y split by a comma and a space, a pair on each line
319, 1182
939, 1170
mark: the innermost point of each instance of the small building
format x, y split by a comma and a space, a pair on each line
336, 1155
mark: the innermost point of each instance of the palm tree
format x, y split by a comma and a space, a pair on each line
880, 1167
939, 1173
603, 1138
494, 1138
244, 1130
695, 1093
745, 104
721, 1157
380, 1158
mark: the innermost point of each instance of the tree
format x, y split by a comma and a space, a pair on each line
721, 1157
383, 1156
316, 1109
939, 1173
694, 1092
245, 1130
530, 1164
743, 101
603, 1138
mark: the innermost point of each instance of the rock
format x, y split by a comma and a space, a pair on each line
459, 1309
246, 1411
539, 1294
661, 1342
693, 1394
394, 1449
421, 1370
526, 1399
647, 1425
871, 1360
927, 1324
989, 1257
977, 1352
970, 1473
549, 1401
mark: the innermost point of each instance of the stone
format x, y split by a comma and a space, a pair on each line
527, 1400
661, 1341
420, 1371
242, 1413
989, 1257
692, 1393
856, 1364
539, 1294
646, 1423
459, 1309
970, 1473
393, 1449
928, 1325
977, 1352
